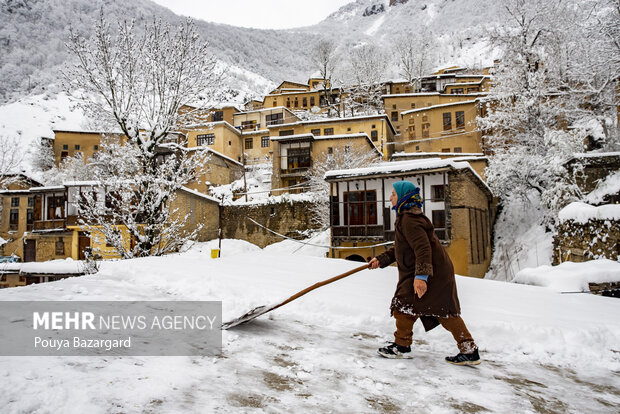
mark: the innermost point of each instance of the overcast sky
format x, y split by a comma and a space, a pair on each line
262, 14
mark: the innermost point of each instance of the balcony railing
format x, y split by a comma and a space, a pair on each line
359, 232
50, 224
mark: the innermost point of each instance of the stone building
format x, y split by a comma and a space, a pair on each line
457, 201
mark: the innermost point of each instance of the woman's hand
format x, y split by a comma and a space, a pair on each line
374, 263
419, 286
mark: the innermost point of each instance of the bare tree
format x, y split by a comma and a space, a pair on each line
416, 56
11, 157
340, 158
140, 83
324, 58
367, 68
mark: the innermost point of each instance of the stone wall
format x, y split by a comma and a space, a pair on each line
290, 218
578, 242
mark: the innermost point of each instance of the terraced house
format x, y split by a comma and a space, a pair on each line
441, 115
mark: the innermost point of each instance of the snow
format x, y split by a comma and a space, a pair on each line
375, 26
318, 353
569, 276
610, 185
582, 212
61, 266
397, 167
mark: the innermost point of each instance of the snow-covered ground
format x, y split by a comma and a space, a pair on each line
542, 351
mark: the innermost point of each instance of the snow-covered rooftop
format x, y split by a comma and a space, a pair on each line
332, 120
411, 111
582, 212
610, 185
397, 167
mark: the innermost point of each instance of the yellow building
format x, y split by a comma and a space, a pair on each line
458, 203
377, 127
449, 127
17, 207
448, 86
295, 154
221, 137
57, 233
69, 143
254, 127
219, 170
301, 97
201, 116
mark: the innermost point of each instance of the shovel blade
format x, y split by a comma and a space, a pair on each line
246, 317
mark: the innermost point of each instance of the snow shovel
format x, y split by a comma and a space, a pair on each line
261, 310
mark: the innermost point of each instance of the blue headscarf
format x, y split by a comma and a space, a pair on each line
408, 196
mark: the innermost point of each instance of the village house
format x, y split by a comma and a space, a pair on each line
254, 130
57, 233
295, 154
456, 200
303, 96
377, 127
16, 216
440, 116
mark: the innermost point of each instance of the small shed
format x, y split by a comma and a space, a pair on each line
456, 199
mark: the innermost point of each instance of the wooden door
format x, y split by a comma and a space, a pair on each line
30, 251
83, 243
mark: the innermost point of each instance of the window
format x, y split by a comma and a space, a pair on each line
328, 131
360, 208
447, 121
393, 106
287, 132
330, 150
55, 207
457, 91
425, 130
374, 135
304, 102
478, 236
437, 192
445, 150
417, 148
217, 116
249, 125
275, 103
14, 201
14, 219
29, 219
60, 247
296, 102
65, 147
412, 106
315, 132
373, 126
265, 142
424, 118
347, 148
205, 139
348, 129
439, 222
460, 119
77, 147
474, 89
288, 102
412, 131
274, 119
458, 149
312, 101
96, 147
30, 201
411, 120
394, 116
298, 158
249, 143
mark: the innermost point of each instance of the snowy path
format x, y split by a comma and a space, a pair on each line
543, 352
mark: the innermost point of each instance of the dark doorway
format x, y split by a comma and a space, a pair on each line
30, 251
83, 243
356, 258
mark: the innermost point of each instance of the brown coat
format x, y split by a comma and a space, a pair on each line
418, 251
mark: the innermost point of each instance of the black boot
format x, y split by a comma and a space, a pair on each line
394, 350
465, 359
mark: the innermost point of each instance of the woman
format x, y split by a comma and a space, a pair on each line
426, 287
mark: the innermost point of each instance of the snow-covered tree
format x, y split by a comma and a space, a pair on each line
340, 158
541, 104
325, 59
139, 83
11, 158
366, 72
415, 54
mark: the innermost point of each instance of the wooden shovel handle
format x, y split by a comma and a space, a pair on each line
323, 283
